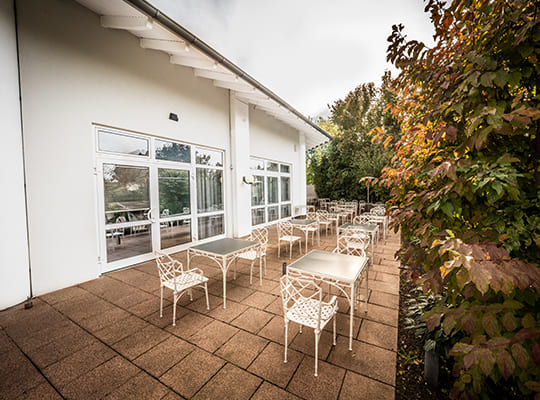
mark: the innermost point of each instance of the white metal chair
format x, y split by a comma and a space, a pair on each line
173, 277
285, 234
352, 243
261, 236
322, 217
361, 219
378, 210
313, 229
302, 303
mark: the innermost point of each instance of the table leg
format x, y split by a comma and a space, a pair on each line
307, 234
372, 253
188, 258
367, 290
224, 270
353, 294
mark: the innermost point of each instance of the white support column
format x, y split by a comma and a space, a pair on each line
241, 192
14, 275
300, 180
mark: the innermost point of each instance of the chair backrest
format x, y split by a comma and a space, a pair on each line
312, 215
284, 228
299, 290
379, 210
260, 235
168, 268
351, 243
361, 219
322, 216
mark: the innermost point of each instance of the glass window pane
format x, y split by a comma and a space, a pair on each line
209, 190
272, 189
173, 192
116, 143
257, 216
126, 191
128, 242
272, 166
285, 188
285, 210
172, 151
256, 164
273, 213
285, 168
174, 233
209, 157
210, 226
257, 191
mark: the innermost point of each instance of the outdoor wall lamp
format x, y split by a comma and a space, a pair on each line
249, 179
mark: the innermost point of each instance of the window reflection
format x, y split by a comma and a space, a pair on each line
257, 191
210, 226
116, 143
209, 157
174, 233
272, 166
273, 213
285, 189
128, 242
172, 151
272, 189
257, 216
285, 210
209, 190
174, 196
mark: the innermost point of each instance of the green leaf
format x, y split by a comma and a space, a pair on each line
486, 360
487, 79
505, 363
447, 208
509, 322
501, 78
528, 321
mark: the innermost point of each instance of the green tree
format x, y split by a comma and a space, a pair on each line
465, 186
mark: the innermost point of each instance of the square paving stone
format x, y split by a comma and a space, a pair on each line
141, 386
252, 320
17, 374
77, 364
267, 391
270, 366
358, 387
101, 380
275, 330
213, 335
275, 307
324, 386
259, 300
116, 332
230, 383
305, 343
141, 341
166, 320
41, 392
382, 314
164, 355
237, 293
66, 294
379, 334
232, 311
189, 324
384, 299
199, 305
366, 359
242, 348
190, 374
102, 320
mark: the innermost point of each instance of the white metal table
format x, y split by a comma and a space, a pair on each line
340, 270
223, 252
304, 225
382, 219
371, 230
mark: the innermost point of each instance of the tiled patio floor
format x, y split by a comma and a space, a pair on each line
104, 339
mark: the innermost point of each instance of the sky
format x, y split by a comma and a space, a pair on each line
309, 52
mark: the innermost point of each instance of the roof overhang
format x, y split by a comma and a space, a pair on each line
157, 31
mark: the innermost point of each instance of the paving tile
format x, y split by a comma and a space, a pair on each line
141, 341
384, 299
199, 305
270, 366
324, 386
18, 375
213, 335
259, 300
141, 386
275, 330
366, 359
242, 348
343, 324
275, 307
358, 387
148, 307
102, 320
190, 374
189, 324
232, 311
133, 298
166, 320
116, 332
101, 380
61, 295
382, 314
64, 346
237, 293
83, 307
379, 334
41, 337
41, 392
77, 364
230, 383
164, 355
252, 320
5, 343
267, 391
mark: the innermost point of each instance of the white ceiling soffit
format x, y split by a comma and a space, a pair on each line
117, 14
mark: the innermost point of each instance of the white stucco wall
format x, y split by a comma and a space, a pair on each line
271, 139
75, 73
14, 277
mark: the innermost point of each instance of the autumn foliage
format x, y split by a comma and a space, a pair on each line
465, 186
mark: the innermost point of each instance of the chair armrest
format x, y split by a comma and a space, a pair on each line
198, 271
333, 300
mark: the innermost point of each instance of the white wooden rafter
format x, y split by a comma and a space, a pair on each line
130, 23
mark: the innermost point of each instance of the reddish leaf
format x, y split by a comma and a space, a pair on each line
481, 276
535, 352
528, 321
461, 348
486, 360
505, 363
470, 358
433, 322
509, 322
469, 323
490, 324
449, 323
520, 355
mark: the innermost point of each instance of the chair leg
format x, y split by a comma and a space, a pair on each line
161, 304
206, 292
278, 247
234, 273
251, 273
334, 329
175, 299
290, 250
286, 339
317, 333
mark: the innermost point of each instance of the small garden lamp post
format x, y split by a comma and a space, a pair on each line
368, 183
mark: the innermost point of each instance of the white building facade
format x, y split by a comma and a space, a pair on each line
123, 134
